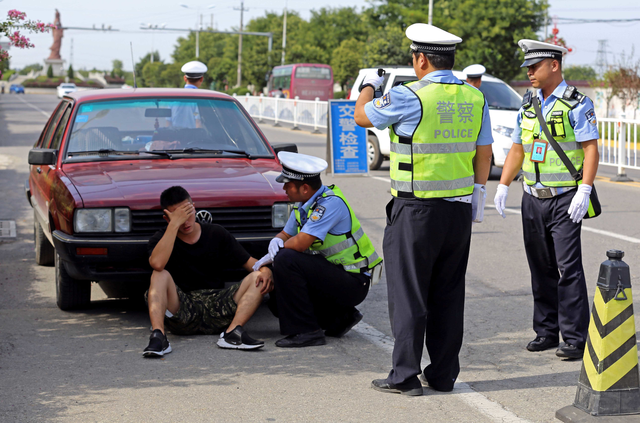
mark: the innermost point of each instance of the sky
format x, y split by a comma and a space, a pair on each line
98, 49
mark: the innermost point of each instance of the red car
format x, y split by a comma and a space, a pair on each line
105, 156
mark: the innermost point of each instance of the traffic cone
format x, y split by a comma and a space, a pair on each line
609, 383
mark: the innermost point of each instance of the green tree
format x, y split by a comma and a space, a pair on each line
35, 66
70, 73
49, 72
140, 81
116, 71
389, 47
152, 74
347, 61
579, 73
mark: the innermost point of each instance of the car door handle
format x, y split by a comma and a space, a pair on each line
38, 169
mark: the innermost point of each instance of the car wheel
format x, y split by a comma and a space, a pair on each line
44, 250
373, 152
70, 293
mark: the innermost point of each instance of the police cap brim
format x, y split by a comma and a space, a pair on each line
533, 61
282, 179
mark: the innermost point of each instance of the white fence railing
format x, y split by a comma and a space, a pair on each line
293, 111
618, 143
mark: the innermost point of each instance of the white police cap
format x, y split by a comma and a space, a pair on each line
474, 71
194, 69
432, 40
536, 51
300, 167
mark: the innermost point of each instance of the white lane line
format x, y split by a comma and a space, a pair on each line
34, 107
595, 231
495, 411
387, 180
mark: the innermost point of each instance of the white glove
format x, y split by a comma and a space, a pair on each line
274, 246
262, 262
580, 203
500, 200
478, 199
373, 79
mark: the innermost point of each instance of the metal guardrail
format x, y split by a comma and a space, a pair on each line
294, 111
618, 144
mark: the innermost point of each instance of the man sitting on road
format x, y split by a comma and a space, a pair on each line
186, 256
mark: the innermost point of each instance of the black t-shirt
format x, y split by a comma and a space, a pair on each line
197, 266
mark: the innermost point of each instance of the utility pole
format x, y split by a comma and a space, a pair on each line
211, 27
430, 12
601, 58
284, 34
71, 55
242, 10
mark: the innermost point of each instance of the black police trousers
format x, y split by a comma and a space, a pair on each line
426, 249
313, 293
552, 244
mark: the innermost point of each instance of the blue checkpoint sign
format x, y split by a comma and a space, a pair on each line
348, 140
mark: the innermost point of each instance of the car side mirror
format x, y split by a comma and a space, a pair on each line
293, 148
43, 156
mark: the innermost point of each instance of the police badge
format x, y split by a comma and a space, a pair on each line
317, 214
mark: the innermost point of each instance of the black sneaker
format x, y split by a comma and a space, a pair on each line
412, 388
239, 339
158, 345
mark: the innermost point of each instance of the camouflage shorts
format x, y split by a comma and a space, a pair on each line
205, 311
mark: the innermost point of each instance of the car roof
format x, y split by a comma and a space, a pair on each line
118, 93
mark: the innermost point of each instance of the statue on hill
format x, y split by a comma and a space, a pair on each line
57, 38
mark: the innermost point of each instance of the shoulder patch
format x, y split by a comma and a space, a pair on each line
317, 214
382, 102
591, 117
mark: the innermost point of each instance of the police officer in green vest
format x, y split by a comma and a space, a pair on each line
553, 203
440, 158
322, 260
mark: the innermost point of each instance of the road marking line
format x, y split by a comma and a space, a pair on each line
34, 107
492, 409
381, 179
595, 231
609, 181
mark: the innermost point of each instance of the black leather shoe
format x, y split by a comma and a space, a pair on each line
569, 351
309, 339
413, 388
347, 325
542, 343
425, 382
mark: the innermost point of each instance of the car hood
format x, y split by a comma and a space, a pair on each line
210, 182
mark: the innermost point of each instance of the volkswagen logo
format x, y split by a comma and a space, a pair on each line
204, 216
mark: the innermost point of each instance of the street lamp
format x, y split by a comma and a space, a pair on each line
198, 26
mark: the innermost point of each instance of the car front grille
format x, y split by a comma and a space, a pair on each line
234, 219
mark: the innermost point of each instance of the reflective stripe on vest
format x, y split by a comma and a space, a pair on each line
353, 250
552, 172
437, 160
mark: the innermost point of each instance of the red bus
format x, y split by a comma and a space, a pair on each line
304, 80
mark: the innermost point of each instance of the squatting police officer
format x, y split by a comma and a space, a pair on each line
440, 158
553, 203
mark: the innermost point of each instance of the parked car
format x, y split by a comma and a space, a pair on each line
102, 161
16, 88
503, 102
66, 88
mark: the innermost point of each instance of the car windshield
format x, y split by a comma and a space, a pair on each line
163, 127
68, 85
500, 96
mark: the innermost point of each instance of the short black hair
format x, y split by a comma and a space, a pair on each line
315, 184
193, 81
439, 61
172, 196
474, 78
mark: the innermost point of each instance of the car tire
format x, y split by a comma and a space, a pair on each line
44, 250
71, 294
373, 152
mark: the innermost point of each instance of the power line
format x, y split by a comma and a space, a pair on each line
571, 21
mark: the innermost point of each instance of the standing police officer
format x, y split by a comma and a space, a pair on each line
440, 146
553, 203
322, 259
474, 75
193, 74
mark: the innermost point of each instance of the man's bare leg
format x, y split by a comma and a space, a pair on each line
248, 299
163, 295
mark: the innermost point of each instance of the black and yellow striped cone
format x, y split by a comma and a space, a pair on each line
609, 382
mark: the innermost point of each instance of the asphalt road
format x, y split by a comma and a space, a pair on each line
87, 366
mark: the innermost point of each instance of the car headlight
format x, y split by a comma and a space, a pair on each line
122, 220
93, 220
280, 214
102, 220
503, 130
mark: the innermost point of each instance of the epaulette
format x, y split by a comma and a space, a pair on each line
526, 99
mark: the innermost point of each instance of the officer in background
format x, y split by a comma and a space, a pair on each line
322, 259
193, 74
440, 158
474, 75
184, 114
553, 204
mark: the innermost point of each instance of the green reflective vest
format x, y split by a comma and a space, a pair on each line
353, 250
437, 160
552, 172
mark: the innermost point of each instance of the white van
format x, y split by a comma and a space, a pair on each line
503, 101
